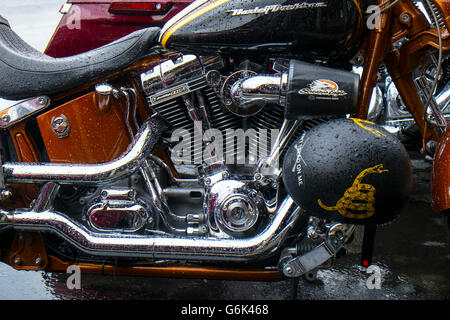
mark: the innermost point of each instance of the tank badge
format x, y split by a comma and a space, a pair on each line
363, 124
358, 201
277, 8
325, 89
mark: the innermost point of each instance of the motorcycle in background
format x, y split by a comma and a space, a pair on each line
116, 156
86, 25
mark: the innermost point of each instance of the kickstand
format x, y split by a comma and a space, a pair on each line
368, 245
294, 288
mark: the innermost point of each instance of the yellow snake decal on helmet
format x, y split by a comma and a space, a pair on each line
362, 123
360, 197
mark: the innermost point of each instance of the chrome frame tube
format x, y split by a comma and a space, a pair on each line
159, 201
287, 130
157, 246
92, 174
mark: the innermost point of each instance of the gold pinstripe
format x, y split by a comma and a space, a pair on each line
188, 19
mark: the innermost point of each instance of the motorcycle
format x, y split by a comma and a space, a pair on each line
233, 143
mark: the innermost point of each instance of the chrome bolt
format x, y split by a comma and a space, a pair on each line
339, 235
17, 261
312, 233
431, 147
6, 118
42, 101
405, 17
39, 262
6, 194
258, 176
359, 60
135, 179
207, 181
104, 194
288, 270
225, 175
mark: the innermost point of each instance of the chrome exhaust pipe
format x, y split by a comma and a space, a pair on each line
93, 174
443, 99
156, 246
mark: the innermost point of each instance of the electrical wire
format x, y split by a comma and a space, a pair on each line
382, 7
389, 6
439, 65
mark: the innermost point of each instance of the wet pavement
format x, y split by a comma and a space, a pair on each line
412, 253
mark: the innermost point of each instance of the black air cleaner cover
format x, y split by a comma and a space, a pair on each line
316, 91
349, 170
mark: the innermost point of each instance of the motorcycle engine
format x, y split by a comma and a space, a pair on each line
226, 189
192, 96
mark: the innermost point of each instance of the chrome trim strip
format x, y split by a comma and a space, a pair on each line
22, 110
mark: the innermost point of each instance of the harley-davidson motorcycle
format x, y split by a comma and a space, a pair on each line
232, 143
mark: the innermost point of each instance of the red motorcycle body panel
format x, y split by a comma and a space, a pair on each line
92, 24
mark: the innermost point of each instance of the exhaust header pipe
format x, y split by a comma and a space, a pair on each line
94, 174
42, 217
163, 247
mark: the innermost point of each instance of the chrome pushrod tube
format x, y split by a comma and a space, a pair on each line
94, 174
156, 246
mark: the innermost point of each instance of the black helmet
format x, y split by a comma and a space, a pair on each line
349, 170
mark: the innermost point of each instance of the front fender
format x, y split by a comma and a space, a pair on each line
440, 178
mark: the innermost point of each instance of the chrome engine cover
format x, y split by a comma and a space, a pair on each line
235, 208
119, 210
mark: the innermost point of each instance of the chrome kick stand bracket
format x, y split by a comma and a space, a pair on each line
309, 261
295, 266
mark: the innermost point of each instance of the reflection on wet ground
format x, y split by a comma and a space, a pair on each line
412, 253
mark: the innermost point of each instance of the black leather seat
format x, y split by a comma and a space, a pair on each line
26, 72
